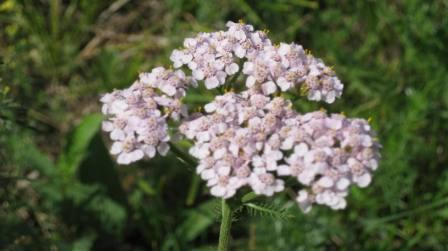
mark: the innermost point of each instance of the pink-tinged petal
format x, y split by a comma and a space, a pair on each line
118, 106
211, 83
302, 196
193, 66
218, 191
232, 69
250, 81
240, 52
342, 183
203, 136
198, 74
330, 97
218, 65
136, 155
234, 149
284, 84
199, 152
279, 185
284, 49
116, 148
306, 177
208, 174
168, 89
301, 149
325, 182
269, 88
186, 58
107, 126
221, 76
224, 170
334, 124
163, 149
248, 67
341, 204
315, 95
283, 170
210, 107
150, 151
124, 159
107, 98
219, 154
229, 193
363, 180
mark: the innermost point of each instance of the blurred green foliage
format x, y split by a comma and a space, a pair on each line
60, 189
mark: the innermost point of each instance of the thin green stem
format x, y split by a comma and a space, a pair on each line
226, 223
195, 181
184, 157
55, 6
420, 209
194, 187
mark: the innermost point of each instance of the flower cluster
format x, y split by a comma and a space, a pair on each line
233, 143
137, 116
214, 56
287, 66
328, 153
253, 138
250, 139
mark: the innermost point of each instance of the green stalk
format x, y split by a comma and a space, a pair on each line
194, 187
226, 223
55, 7
184, 157
195, 181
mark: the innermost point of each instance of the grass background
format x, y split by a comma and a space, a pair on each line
60, 190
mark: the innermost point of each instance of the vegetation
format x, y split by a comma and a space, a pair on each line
60, 189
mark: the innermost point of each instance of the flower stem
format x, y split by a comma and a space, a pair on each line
226, 223
194, 187
184, 157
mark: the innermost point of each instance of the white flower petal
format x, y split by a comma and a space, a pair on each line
250, 81
269, 88
232, 69
116, 148
150, 151
283, 170
342, 183
218, 191
163, 149
363, 180
198, 74
211, 82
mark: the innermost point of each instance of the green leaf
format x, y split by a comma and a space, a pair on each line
198, 221
266, 209
26, 154
84, 243
146, 187
98, 168
78, 142
248, 197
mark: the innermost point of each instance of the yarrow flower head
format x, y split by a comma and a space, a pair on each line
137, 116
232, 143
328, 153
286, 67
213, 57
253, 138
250, 139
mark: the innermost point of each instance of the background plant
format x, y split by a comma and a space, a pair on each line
58, 56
